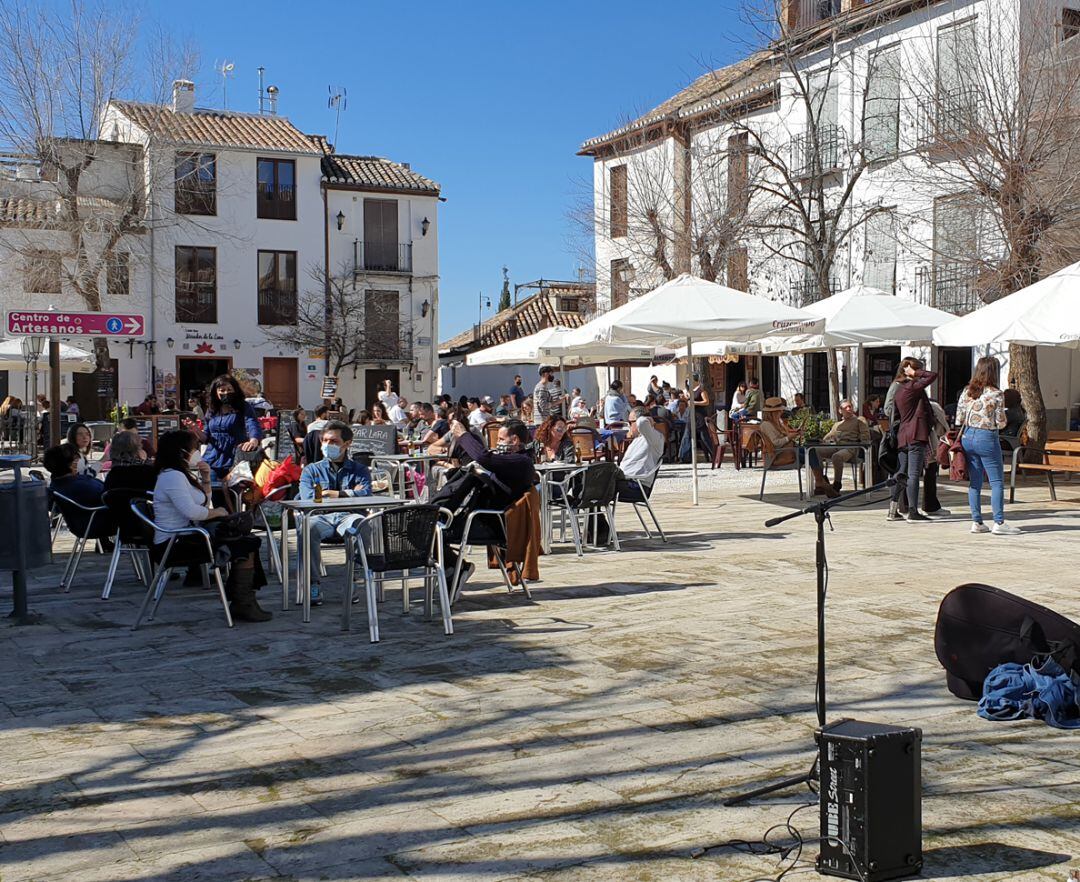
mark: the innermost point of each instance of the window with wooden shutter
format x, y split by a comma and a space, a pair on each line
380, 246
196, 284
620, 282
619, 207
382, 325
881, 109
276, 189
879, 258
277, 288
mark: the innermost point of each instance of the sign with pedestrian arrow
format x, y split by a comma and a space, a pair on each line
57, 323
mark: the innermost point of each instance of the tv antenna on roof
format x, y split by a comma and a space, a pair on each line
338, 101
226, 69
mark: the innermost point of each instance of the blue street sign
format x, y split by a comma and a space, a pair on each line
114, 326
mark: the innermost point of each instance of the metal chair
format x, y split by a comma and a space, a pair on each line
400, 540
144, 511
129, 538
784, 459
273, 553
636, 492
85, 523
592, 496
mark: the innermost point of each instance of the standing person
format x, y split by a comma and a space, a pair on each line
547, 397
73, 406
231, 425
616, 407
654, 389
387, 395
181, 499
338, 476
981, 413
517, 393
913, 441
81, 438
196, 408
698, 398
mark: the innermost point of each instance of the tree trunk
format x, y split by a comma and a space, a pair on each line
834, 384
1024, 373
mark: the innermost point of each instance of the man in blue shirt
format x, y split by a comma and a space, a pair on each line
517, 393
339, 477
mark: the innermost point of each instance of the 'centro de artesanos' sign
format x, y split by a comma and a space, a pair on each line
48, 323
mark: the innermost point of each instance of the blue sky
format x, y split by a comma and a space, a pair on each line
490, 99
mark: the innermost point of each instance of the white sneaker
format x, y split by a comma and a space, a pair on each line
1005, 530
979, 528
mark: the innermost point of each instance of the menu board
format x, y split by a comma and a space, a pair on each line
381, 440
329, 387
283, 442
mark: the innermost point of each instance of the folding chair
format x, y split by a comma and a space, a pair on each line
592, 496
144, 511
636, 492
85, 523
398, 540
129, 538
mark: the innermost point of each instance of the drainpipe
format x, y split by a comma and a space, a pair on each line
328, 304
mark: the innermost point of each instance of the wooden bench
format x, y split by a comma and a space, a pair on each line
1061, 454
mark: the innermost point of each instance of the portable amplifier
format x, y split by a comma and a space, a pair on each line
871, 801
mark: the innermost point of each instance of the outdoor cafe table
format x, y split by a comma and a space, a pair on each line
829, 449
399, 460
304, 509
547, 470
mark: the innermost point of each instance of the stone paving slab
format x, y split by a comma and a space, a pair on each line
589, 734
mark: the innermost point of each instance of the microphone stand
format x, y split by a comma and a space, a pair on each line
820, 511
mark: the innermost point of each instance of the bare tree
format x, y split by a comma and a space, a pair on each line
997, 106
57, 74
361, 325
805, 207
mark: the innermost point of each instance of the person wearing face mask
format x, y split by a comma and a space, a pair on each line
182, 498
339, 477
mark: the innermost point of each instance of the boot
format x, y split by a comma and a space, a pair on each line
245, 608
822, 485
838, 480
894, 512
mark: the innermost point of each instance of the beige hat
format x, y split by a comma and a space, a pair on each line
774, 404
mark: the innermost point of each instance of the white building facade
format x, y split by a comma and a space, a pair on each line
885, 80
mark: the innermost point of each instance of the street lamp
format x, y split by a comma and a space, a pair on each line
31, 352
340, 219
424, 224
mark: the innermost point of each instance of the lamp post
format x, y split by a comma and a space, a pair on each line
484, 302
31, 351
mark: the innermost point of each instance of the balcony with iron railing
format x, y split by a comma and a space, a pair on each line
815, 152
950, 117
382, 257
802, 292
386, 348
948, 286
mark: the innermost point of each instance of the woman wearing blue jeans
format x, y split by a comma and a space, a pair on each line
981, 412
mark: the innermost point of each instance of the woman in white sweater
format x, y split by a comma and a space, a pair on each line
180, 500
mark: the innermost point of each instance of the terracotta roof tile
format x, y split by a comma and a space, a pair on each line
374, 172
749, 75
531, 315
241, 131
19, 211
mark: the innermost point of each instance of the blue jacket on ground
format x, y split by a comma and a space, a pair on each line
1016, 692
351, 478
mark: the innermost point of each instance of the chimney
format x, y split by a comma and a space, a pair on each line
183, 96
790, 14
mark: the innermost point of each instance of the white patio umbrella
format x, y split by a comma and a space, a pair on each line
863, 315
686, 309
719, 347
1044, 314
549, 345
71, 357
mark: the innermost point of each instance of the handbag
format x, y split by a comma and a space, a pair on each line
233, 526
957, 458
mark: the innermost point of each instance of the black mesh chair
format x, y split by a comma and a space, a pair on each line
587, 494
636, 492
197, 552
129, 538
398, 540
86, 523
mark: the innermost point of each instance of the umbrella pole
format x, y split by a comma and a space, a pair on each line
693, 424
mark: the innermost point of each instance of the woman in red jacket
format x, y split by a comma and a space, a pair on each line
916, 417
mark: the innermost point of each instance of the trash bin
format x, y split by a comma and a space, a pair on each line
24, 514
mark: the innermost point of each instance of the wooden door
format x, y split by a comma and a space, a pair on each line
281, 382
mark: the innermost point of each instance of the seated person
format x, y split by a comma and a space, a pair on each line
578, 407
62, 463
479, 413
131, 468
506, 404
510, 465
181, 500
81, 438
871, 410
849, 429
339, 476
781, 435
555, 442
416, 427
1015, 415
644, 449
437, 425
752, 403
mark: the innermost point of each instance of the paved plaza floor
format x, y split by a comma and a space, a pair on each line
590, 734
